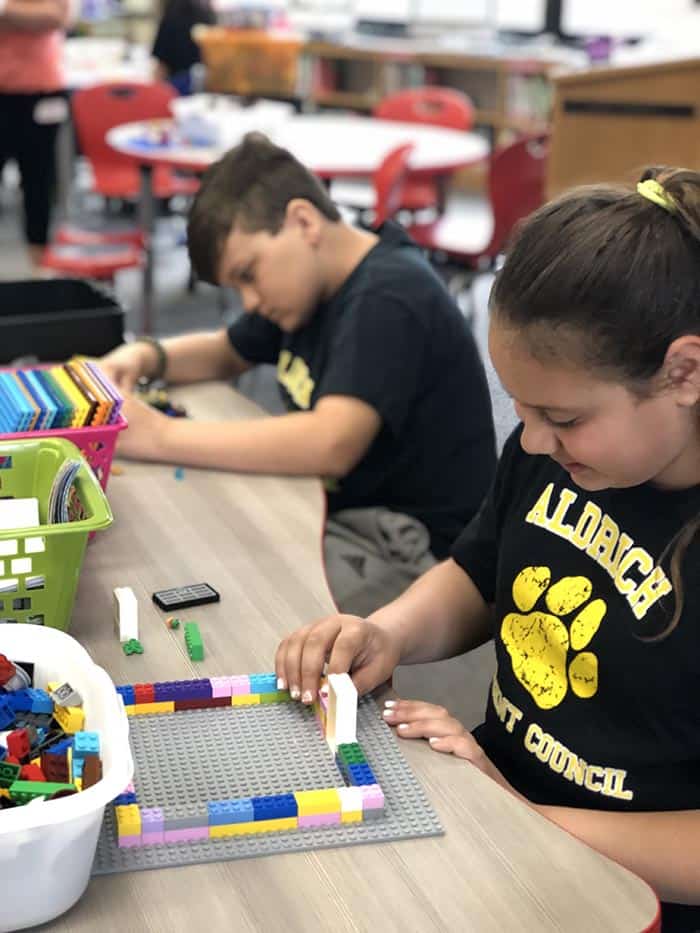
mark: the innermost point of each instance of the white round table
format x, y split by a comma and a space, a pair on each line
330, 145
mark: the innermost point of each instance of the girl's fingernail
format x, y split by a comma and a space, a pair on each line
306, 696
281, 683
403, 725
434, 739
294, 693
389, 703
387, 713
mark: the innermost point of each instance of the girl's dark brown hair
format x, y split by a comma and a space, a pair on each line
608, 279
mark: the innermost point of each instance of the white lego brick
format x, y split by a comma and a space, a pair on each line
341, 724
126, 619
350, 799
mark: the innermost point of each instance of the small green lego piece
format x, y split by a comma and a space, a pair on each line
24, 791
193, 641
8, 773
276, 696
132, 646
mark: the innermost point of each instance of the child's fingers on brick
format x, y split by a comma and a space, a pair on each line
316, 647
288, 661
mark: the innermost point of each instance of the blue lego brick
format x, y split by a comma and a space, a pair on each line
361, 775
263, 683
275, 807
165, 691
3, 752
41, 701
127, 694
77, 765
125, 799
86, 743
222, 812
61, 747
21, 700
7, 714
196, 690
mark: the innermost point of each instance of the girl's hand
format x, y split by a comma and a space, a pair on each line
348, 643
416, 719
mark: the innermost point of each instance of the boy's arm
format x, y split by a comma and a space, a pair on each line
662, 848
326, 441
34, 15
201, 357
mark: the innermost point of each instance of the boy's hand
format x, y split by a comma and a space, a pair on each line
416, 719
125, 365
348, 643
142, 439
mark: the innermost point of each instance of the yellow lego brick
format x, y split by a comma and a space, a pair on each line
36, 761
70, 718
230, 829
128, 819
5, 792
78, 783
53, 685
246, 699
352, 816
164, 706
257, 826
315, 802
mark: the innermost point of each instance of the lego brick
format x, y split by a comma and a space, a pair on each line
220, 686
8, 773
144, 693
193, 641
312, 802
360, 775
65, 695
127, 694
126, 613
192, 834
277, 696
223, 812
24, 791
268, 750
128, 818
143, 709
125, 799
210, 703
245, 699
70, 718
7, 714
372, 797
341, 721
319, 819
92, 771
126, 842
274, 806
18, 743
240, 684
86, 743
262, 683
350, 799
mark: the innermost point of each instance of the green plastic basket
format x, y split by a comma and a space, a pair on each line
40, 567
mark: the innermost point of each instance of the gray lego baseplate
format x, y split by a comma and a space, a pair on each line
186, 759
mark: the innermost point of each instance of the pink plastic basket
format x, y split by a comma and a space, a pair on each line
96, 443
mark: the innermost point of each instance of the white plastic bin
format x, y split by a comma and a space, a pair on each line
47, 849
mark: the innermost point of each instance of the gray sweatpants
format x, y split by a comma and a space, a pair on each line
372, 555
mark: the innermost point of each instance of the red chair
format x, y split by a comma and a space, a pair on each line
389, 183
94, 261
101, 107
435, 106
516, 187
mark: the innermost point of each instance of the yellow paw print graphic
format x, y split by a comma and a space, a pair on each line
538, 643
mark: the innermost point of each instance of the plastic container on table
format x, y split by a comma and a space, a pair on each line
40, 566
250, 62
47, 849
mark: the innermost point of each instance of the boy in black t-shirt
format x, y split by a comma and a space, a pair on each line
385, 389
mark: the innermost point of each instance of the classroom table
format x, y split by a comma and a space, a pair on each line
331, 145
257, 539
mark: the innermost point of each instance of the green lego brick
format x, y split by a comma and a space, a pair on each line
132, 646
8, 773
277, 696
24, 791
351, 754
193, 641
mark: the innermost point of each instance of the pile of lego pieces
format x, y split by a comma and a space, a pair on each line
44, 750
360, 799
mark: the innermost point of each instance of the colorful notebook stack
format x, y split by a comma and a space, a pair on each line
74, 395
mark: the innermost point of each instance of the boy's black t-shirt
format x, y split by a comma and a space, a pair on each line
392, 337
585, 710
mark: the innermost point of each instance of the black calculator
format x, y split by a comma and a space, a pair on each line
181, 597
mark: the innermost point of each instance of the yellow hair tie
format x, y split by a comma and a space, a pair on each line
653, 191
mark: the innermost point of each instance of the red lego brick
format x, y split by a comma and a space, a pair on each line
202, 703
31, 773
7, 669
144, 693
18, 744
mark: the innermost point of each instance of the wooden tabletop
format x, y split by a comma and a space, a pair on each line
499, 867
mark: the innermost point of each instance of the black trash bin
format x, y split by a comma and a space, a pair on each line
57, 318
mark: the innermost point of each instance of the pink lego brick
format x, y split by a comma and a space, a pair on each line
372, 797
220, 686
240, 684
151, 820
129, 842
152, 839
129, 789
319, 819
186, 835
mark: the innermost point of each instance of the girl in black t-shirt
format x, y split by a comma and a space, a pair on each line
583, 564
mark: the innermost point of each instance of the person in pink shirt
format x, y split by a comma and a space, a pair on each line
32, 104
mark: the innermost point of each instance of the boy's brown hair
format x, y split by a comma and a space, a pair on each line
249, 188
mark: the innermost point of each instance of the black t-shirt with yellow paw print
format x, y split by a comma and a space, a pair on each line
586, 708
